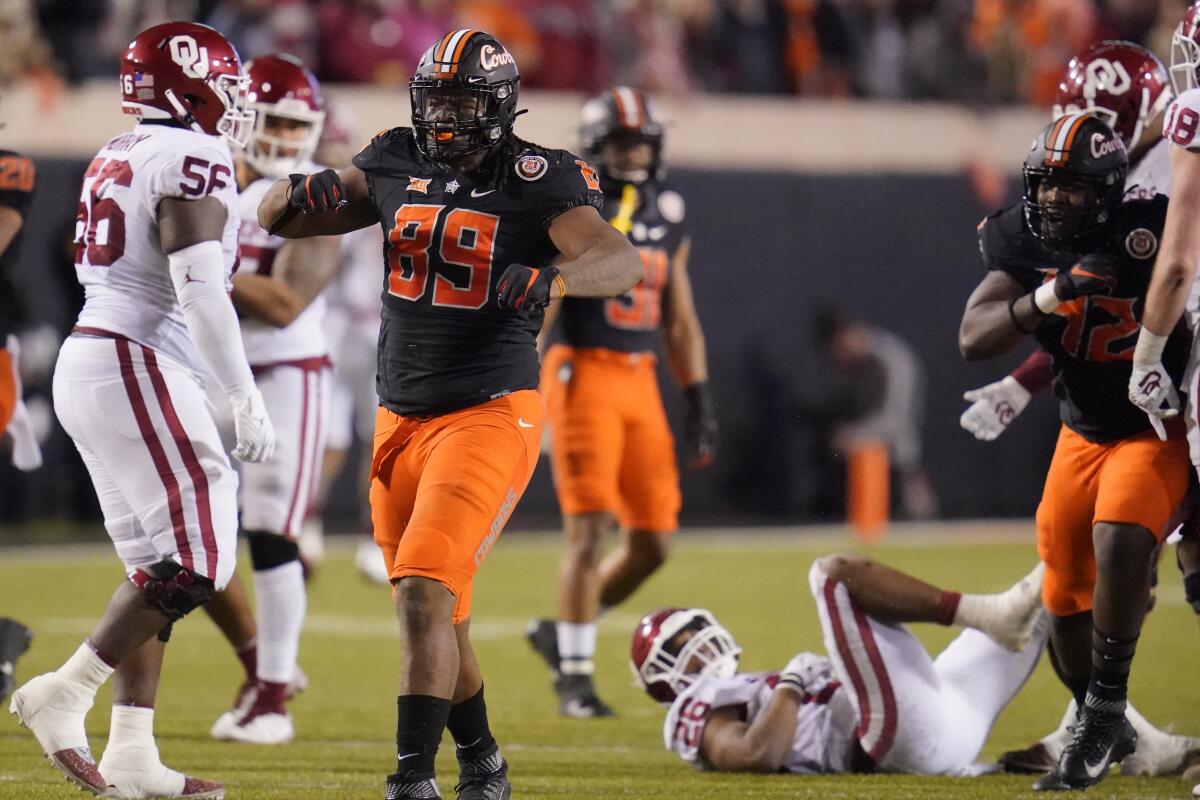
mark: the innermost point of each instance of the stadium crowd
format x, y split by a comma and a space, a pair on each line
972, 51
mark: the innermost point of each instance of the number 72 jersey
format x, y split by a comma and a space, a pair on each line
1091, 339
125, 274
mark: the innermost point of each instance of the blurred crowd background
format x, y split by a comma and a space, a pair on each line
977, 52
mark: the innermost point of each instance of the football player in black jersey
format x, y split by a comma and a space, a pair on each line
1070, 266
611, 446
482, 231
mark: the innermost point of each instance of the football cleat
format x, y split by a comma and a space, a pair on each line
137, 772
398, 788
260, 720
1100, 741
1161, 755
1032, 760
577, 698
491, 785
542, 635
54, 710
15, 639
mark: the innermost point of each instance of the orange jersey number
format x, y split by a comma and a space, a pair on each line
1099, 328
464, 254
640, 309
16, 172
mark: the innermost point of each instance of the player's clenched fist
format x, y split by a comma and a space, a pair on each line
523, 288
255, 433
1092, 274
804, 671
321, 191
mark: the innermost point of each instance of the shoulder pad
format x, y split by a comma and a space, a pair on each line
1139, 227
388, 150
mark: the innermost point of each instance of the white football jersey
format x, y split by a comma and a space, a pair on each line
1152, 174
124, 272
265, 343
825, 722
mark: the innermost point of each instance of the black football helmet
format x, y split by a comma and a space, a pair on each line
464, 95
1080, 150
624, 116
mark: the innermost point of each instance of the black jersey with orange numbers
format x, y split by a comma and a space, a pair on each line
1091, 339
16, 191
444, 342
651, 215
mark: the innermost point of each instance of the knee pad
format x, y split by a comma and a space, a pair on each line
1191, 590
171, 589
269, 550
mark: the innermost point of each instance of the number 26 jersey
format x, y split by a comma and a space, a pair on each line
444, 342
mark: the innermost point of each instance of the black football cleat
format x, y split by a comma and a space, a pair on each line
1033, 760
577, 698
542, 635
492, 785
403, 788
1100, 741
14, 640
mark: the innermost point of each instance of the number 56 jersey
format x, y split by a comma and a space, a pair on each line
125, 274
445, 344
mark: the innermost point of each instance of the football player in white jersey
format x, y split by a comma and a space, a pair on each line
277, 289
877, 702
1128, 87
156, 237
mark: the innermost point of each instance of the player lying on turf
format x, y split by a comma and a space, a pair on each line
877, 702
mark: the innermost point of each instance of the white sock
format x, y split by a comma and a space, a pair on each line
26, 452
979, 611
280, 604
576, 647
86, 670
132, 726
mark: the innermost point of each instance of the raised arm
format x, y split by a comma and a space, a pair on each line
302, 269
998, 315
325, 203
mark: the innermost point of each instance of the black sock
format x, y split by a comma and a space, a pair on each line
1077, 686
468, 725
420, 721
1111, 660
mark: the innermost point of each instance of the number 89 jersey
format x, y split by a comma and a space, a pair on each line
651, 215
125, 274
444, 342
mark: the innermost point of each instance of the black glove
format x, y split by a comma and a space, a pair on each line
321, 191
523, 288
1092, 274
700, 428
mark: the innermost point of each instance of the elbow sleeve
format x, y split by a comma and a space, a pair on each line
198, 273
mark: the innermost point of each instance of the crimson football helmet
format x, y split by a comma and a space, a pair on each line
1185, 51
464, 95
282, 88
1122, 83
624, 116
666, 662
189, 73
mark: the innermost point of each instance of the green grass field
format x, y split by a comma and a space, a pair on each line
755, 583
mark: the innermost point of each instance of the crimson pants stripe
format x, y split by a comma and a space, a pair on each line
888, 736
856, 678
292, 506
190, 461
322, 377
157, 454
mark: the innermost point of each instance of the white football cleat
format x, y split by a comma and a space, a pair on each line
137, 772
1160, 755
370, 562
269, 728
54, 710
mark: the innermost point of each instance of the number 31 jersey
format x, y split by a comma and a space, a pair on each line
444, 343
125, 274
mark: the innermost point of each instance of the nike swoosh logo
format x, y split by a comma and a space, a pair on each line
523, 423
477, 193
410, 755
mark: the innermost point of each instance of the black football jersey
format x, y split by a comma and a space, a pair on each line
444, 342
651, 215
1091, 339
16, 192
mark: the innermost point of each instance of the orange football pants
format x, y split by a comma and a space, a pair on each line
1135, 481
8, 389
443, 487
611, 445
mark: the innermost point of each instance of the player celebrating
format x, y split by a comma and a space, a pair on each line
277, 290
1128, 87
1113, 484
878, 702
473, 218
156, 238
611, 445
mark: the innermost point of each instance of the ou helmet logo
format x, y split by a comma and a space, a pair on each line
187, 54
1108, 75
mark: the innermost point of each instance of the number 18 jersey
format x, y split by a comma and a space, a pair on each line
125, 274
444, 343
